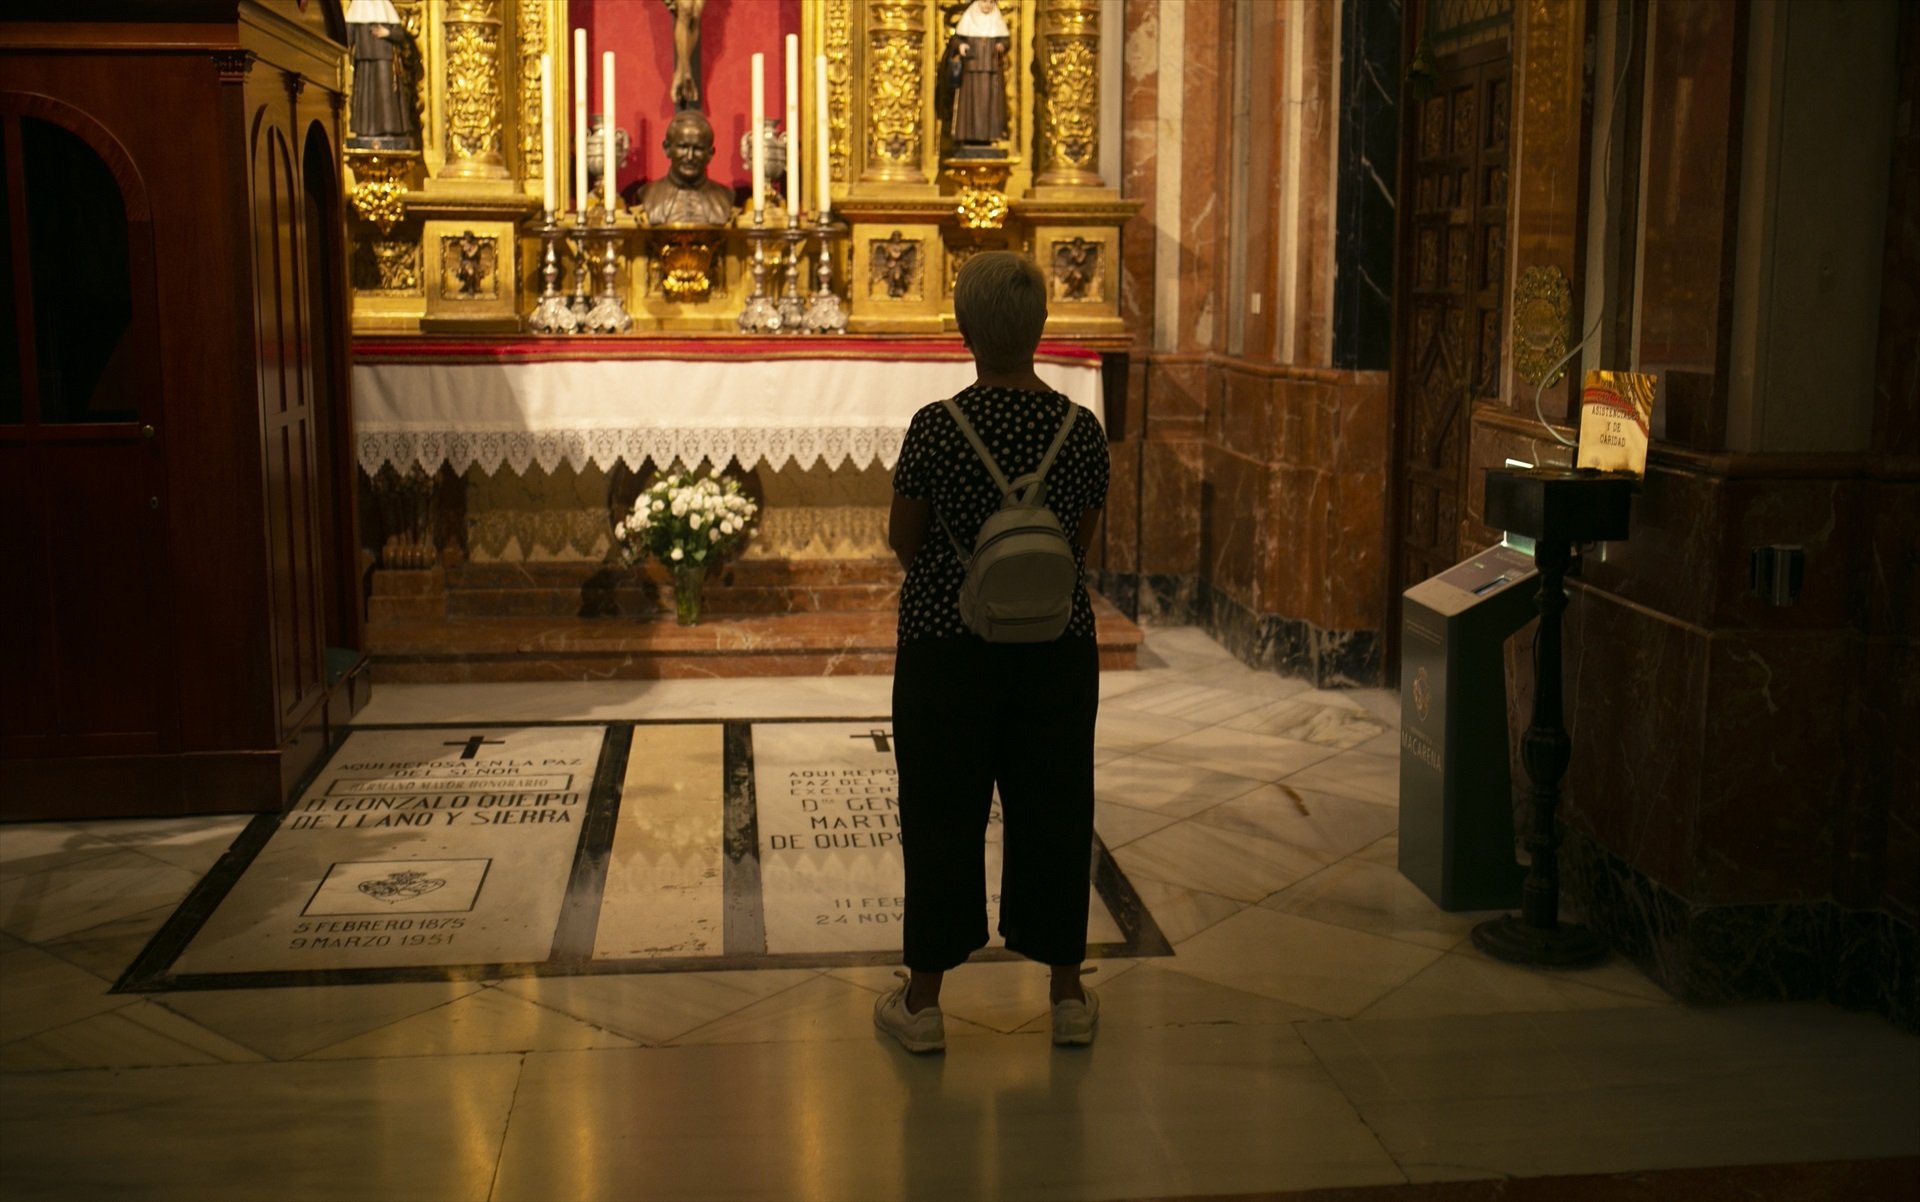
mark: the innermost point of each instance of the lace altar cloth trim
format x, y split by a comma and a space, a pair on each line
835, 411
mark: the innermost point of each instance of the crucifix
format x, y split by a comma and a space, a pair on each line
472, 745
879, 738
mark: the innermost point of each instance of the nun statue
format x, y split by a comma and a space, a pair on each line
385, 78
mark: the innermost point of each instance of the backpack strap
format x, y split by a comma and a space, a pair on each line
1035, 482
979, 448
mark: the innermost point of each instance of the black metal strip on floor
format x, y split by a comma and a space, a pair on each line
574, 934
1141, 934
746, 921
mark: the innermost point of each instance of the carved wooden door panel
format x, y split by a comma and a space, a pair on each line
1447, 340
283, 329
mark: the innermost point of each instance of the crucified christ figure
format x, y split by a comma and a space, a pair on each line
686, 52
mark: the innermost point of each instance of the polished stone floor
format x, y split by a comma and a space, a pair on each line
1319, 1023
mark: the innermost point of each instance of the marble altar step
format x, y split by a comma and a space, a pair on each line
594, 590
824, 642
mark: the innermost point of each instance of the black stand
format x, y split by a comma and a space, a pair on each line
1556, 509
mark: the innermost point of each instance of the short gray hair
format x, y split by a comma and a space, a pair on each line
1000, 303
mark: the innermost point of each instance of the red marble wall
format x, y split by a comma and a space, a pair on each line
1749, 760
1259, 481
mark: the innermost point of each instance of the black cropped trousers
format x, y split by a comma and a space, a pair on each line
969, 715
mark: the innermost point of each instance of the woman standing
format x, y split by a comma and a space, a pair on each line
968, 714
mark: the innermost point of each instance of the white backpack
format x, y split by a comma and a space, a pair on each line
1022, 574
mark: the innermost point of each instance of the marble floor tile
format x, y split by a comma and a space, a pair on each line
1387, 745
39, 992
1124, 729
421, 1128
655, 1007
665, 892
286, 1023
1642, 1088
1335, 726
1179, 790
1384, 851
1383, 704
1177, 697
87, 892
1267, 684
140, 1035
1150, 995
109, 949
1334, 826
487, 1020
1119, 825
1193, 856
1472, 983
1182, 913
1325, 968
822, 1010
195, 843
1364, 895
1352, 774
30, 847
1233, 1110
999, 996
1185, 648
1616, 975
1261, 757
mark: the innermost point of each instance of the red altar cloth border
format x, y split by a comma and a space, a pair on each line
375, 349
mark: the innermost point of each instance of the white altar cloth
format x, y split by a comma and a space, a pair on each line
603, 401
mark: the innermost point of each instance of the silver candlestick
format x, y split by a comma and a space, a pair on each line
760, 316
825, 313
609, 315
551, 315
792, 309
579, 301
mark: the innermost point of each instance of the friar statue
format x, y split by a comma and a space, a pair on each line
385, 78
975, 63
685, 196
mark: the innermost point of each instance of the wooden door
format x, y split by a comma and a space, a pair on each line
293, 501
1449, 317
85, 628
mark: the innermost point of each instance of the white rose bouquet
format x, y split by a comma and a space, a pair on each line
688, 523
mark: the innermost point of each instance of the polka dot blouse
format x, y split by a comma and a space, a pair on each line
938, 466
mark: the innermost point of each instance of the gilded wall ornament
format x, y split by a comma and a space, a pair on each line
1542, 304
1070, 110
1076, 269
380, 180
468, 265
982, 203
839, 51
473, 90
388, 266
895, 90
532, 39
894, 266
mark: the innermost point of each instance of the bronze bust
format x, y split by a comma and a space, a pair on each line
685, 196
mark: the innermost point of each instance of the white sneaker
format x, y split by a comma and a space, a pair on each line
1074, 1020
925, 1031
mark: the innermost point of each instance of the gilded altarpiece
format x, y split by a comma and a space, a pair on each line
907, 210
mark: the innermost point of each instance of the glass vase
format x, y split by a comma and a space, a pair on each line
688, 581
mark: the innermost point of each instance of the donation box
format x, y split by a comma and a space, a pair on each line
1456, 791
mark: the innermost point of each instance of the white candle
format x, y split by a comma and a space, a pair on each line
759, 133
607, 171
580, 121
822, 175
793, 129
548, 168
